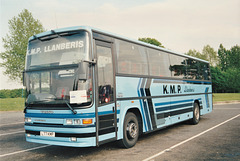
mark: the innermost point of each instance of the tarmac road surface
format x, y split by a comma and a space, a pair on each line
216, 137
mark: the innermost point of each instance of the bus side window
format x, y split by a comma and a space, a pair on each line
158, 63
192, 69
178, 66
132, 58
204, 71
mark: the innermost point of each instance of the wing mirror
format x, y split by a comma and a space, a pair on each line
83, 68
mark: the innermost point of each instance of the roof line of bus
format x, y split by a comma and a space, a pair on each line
91, 29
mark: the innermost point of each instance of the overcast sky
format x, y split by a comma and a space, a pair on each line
179, 25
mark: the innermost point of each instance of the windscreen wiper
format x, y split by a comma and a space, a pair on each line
73, 111
71, 108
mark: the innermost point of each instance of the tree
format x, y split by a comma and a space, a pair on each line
196, 54
151, 41
222, 55
234, 57
15, 43
229, 58
208, 54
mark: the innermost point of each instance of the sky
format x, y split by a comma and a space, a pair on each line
180, 25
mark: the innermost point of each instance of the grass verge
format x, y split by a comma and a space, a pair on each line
226, 97
11, 104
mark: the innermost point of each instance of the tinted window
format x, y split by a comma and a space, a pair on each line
192, 69
178, 66
204, 71
131, 58
158, 63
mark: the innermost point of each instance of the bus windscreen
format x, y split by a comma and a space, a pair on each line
52, 74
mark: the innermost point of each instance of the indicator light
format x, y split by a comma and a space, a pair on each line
87, 121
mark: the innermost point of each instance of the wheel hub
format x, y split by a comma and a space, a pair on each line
197, 113
132, 130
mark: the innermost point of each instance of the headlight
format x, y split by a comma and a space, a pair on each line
28, 119
73, 139
69, 122
77, 121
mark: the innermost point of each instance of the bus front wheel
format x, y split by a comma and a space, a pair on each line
196, 114
130, 131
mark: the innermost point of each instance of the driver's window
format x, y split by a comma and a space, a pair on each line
105, 74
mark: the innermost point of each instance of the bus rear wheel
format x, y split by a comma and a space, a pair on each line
196, 114
130, 131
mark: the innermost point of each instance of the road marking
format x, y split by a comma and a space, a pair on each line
11, 123
224, 103
11, 133
176, 145
226, 108
39, 147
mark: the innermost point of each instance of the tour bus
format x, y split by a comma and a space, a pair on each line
86, 87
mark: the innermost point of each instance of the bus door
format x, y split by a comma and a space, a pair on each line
105, 95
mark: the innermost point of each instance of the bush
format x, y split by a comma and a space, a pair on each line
7, 93
225, 81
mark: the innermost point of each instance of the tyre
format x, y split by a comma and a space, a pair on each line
130, 131
196, 114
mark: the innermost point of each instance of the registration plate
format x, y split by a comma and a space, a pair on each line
45, 133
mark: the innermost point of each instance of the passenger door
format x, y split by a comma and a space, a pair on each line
106, 105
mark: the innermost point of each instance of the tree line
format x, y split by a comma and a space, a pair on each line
225, 64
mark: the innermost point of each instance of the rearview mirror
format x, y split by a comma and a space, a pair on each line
82, 71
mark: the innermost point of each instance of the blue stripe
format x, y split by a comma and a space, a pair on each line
173, 102
163, 108
201, 82
108, 112
189, 100
141, 105
41, 115
84, 115
206, 97
60, 126
145, 108
173, 107
180, 81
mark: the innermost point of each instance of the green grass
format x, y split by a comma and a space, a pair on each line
219, 97
17, 104
11, 104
